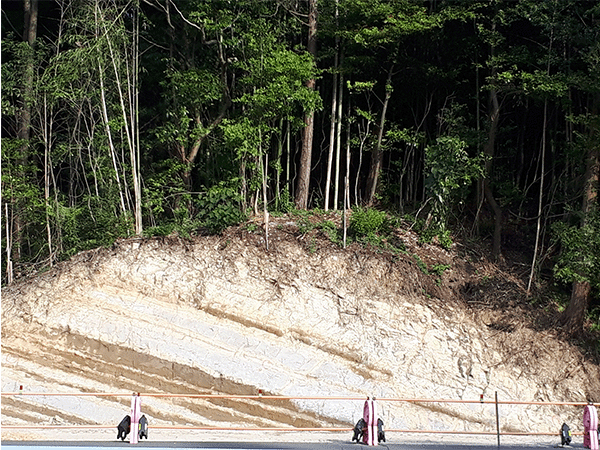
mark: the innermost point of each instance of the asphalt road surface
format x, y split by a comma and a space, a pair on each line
54, 445
162, 439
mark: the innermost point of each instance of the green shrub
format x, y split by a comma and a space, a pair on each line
421, 264
284, 204
159, 230
305, 225
329, 228
445, 239
220, 207
365, 221
439, 269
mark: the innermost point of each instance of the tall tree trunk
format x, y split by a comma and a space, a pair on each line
263, 169
488, 149
264, 195
307, 132
573, 317
334, 107
111, 146
288, 161
9, 234
135, 125
542, 176
540, 199
331, 135
377, 154
479, 184
363, 139
279, 164
347, 180
30, 9
338, 137
47, 138
243, 184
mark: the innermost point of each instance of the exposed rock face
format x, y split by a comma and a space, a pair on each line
222, 315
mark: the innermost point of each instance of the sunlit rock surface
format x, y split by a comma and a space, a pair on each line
221, 315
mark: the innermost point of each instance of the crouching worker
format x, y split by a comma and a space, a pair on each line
359, 430
124, 428
380, 432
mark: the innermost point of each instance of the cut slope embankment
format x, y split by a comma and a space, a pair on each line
222, 315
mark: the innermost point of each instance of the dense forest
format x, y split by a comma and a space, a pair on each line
464, 118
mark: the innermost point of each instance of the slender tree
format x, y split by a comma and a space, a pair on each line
574, 315
377, 154
16, 217
334, 114
303, 186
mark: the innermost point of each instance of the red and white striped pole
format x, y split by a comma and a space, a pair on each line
135, 417
590, 427
370, 418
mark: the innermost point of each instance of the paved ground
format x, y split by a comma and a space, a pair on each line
167, 439
38, 445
